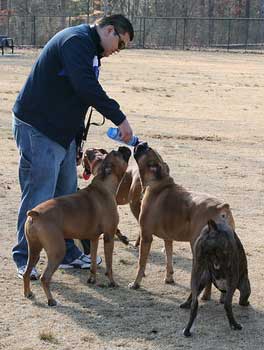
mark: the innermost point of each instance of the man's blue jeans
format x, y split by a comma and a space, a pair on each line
46, 170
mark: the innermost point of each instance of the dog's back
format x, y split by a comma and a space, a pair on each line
218, 248
219, 257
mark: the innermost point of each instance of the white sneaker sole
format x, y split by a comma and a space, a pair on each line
77, 266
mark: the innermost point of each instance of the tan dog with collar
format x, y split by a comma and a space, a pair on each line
171, 212
85, 214
129, 191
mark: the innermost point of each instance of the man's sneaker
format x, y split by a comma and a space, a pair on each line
83, 262
33, 276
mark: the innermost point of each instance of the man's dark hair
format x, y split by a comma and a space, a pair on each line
121, 24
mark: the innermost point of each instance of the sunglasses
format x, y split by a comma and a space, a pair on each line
121, 43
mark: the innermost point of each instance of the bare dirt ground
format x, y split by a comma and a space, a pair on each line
204, 113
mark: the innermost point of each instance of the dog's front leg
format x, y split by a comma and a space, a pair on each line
145, 244
93, 267
193, 314
169, 266
199, 280
108, 250
228, 308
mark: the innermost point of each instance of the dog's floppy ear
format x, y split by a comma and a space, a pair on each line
166, 169
223, 206
212, 225
126, 153
157, 171
160, 170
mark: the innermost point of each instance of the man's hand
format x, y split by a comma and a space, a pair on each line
125, 131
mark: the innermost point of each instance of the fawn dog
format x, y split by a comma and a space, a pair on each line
129, 191
85, 214
170, 211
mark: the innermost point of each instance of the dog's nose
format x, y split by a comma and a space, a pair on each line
142, 147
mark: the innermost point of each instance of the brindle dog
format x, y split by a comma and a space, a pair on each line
218, 257
85, 214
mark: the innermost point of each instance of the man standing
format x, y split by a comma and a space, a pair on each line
49, 116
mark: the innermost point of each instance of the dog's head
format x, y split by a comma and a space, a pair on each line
150, 164
92, 158
115, 163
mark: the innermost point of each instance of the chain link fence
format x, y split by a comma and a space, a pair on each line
197, 33
150, 32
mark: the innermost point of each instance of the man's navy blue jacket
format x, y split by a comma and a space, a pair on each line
63, 84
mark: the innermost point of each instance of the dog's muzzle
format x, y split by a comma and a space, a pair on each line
126, 153
88, 168
140, 149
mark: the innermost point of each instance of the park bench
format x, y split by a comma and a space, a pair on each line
5, 41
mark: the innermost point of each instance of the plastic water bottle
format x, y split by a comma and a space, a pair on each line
114, 134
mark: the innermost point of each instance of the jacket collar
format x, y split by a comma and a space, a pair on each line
97, 41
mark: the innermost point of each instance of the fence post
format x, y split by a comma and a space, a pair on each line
22, 30
211, 30
69, 23
184, 32
8, 29
247, 31
140, 30
88, 11
229, 34
34, 30
144, 32
176, 33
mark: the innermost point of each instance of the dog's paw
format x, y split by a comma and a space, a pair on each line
236, 326
91, 280
186, 332
136, 245
124, 240
169, 280
185, 305
113, 285
29, 295
133, 285
244, 303
52, 302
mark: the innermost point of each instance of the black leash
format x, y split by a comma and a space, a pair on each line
85, 133
87, 127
